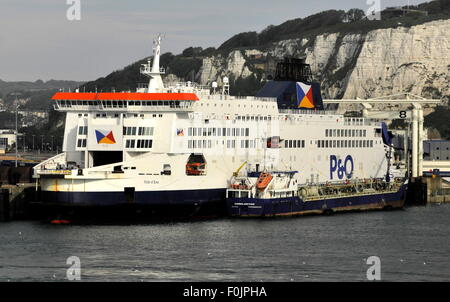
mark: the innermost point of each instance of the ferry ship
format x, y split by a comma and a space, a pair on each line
171, 149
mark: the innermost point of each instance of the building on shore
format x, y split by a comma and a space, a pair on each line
436, 150
8, 138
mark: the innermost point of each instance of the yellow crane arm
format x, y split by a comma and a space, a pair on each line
239, 169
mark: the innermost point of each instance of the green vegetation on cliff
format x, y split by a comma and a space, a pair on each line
332, 21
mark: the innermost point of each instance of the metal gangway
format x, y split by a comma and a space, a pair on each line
407, 107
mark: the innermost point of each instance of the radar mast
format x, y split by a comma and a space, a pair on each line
154, 72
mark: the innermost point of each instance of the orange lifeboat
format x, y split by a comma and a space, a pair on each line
59, 221
195, 169
263, 180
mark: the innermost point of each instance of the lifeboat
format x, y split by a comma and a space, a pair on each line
59, 221
195, 168
263, 180
196, 165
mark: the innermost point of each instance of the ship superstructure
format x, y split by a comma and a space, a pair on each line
178, 145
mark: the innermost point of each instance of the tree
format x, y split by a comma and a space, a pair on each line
192, 51
208, 51
166, 58
268, 34
355, 14
245, 39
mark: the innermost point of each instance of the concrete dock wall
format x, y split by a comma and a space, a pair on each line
5, 214
16, 202
427, 190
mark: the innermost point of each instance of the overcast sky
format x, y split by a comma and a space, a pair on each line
37, 41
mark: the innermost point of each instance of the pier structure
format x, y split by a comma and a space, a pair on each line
407, 107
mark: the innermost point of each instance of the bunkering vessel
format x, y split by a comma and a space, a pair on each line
172, 149
277, 193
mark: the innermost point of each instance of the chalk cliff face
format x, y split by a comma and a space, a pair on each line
379, 63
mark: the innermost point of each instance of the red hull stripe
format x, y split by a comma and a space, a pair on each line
124, 96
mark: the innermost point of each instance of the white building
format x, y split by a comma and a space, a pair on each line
8, 137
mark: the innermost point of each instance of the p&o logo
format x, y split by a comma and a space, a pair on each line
342, 168
105, 137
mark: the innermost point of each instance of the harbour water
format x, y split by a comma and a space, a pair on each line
413, 244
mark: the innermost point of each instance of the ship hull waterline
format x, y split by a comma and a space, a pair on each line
208, 203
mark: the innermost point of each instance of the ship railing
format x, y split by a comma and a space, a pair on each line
352, 187
359, 121
147, 69
142, 85
57, 162
186, 86
307, 112
232, 97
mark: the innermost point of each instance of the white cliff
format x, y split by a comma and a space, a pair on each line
415, 60
378, 63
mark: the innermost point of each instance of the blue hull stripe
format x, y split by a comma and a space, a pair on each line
149, 198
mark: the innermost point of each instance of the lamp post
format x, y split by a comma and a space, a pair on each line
17, 132
33, 143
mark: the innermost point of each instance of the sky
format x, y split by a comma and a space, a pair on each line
37, 41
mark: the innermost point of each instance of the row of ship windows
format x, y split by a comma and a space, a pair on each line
254, 118
83, 130
294, 143
138, 143
229, 105
354, 121
345, 143
208, 144
138, 130
345, 133
229, 116
104, 115
288, 144
147, 143
218, 132
124, 104
129, 143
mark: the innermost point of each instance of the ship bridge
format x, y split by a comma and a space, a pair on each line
124, 102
